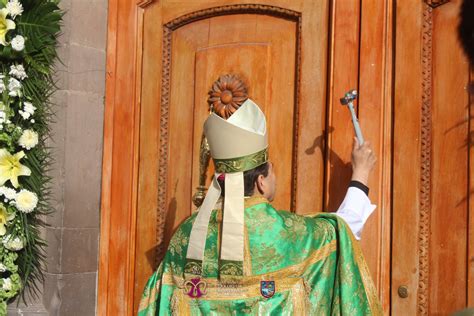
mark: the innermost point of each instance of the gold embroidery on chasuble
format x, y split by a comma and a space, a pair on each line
290, 272
178, 242
369, 287
305, 282
295, 229
259, 221
149, 298
264, 258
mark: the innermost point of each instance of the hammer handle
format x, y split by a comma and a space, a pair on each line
355, 121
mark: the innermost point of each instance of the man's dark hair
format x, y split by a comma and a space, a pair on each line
466, 28
250, 177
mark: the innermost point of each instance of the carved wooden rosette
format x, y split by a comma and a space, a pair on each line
227, 95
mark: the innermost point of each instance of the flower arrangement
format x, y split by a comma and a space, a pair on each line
28, 40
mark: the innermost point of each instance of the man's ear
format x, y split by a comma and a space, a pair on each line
260, 183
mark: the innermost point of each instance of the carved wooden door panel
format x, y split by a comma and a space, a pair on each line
432, 250
262, 45
259, 49
297, 58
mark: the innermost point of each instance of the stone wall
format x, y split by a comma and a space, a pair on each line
73, 236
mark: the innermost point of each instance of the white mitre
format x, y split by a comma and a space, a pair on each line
237, 144
237, 140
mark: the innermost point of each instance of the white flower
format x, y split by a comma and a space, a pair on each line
2, 86
8, 193
14, 87
3, 117
3, 268
26, 201
18, 71
18, 43
14, 8
7, 284
24, 114
12, 243
29, 108
28, 139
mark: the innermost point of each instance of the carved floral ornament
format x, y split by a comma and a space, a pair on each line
227, 95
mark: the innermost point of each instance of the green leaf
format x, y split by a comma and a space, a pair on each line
40, 24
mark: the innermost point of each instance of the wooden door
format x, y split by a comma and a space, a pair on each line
432, 253
297, 58
256, 48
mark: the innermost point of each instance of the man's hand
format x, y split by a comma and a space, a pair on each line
363, 161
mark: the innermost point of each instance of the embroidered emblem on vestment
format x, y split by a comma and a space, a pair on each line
267, 288
195, 288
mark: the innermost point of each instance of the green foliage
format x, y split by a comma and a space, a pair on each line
40, 25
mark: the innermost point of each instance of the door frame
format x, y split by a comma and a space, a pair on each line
120, 157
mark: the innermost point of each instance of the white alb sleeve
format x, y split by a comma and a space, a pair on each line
355, 210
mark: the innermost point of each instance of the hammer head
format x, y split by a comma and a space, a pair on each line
350, 96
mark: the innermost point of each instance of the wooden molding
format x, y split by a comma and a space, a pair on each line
425, 181
144, 3
106, 187
233, 9
435, 3
164, 139
297, 110
470, 141
120, 173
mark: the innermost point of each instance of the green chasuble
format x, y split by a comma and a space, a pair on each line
293, 265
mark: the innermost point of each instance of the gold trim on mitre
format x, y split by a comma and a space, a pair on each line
241, 164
